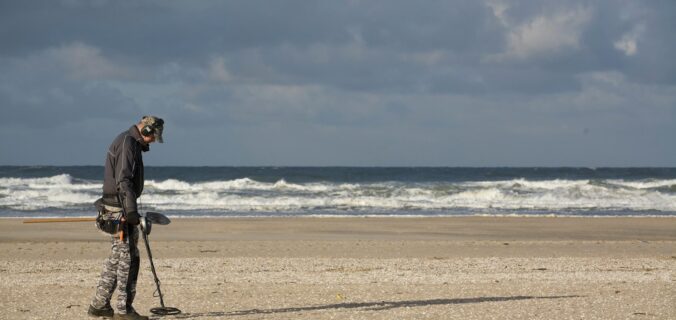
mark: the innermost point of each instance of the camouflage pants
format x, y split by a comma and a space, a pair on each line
120, 269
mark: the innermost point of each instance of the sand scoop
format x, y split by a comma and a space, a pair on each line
147, 221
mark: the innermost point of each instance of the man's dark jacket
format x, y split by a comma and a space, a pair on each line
123, 174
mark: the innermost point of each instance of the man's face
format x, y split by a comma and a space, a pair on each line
149, 139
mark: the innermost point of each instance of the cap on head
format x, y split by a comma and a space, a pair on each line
153, 126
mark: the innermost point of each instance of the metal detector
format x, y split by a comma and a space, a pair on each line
147, 221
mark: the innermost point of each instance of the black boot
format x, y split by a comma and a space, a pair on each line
106, 312
130, 316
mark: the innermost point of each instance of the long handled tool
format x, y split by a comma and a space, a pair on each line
146, 224
46, 220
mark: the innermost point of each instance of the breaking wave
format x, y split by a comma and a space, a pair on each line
247, 196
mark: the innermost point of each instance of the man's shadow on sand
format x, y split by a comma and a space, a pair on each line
366, 306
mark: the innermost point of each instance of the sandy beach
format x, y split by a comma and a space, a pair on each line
359, 268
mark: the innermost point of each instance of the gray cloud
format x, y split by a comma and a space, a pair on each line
492, 82
61, 85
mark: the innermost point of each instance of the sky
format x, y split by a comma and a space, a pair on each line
342, 83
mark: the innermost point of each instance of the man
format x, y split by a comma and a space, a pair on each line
122, 185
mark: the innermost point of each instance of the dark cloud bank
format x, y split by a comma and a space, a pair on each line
444, 83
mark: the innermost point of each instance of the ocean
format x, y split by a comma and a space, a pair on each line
51, 191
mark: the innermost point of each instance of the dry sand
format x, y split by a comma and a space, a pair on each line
359, 268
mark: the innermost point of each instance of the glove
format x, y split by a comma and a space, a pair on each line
133, 218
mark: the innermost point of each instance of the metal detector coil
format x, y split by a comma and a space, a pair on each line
157, 218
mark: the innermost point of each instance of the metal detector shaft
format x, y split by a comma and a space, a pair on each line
160, 310
152, 266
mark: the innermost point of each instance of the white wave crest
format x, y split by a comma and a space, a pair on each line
49, 192
240, 184
646, 184
249, 195
54, 181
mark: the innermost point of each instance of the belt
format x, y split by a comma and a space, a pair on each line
112, 209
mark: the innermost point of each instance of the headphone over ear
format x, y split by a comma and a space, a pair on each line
152, 124
148, 130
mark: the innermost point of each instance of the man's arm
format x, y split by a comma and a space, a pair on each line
124, 179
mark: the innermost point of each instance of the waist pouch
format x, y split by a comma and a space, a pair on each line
108, 218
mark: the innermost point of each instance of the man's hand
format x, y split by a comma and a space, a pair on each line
133, 218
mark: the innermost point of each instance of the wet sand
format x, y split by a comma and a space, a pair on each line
359, 268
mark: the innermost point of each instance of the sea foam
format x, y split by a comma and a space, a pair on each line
247, 195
